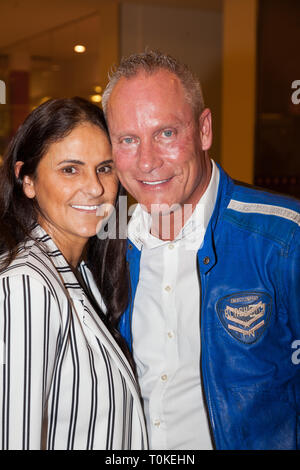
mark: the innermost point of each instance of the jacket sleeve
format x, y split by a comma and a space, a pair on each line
291, 281
29, 329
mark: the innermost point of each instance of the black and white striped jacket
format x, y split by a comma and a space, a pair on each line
64, 382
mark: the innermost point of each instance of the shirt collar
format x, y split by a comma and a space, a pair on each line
193, 230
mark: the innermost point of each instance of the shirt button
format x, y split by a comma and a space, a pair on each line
164, 377
170, 334
206, 260
167, 288
171, 246
156, 423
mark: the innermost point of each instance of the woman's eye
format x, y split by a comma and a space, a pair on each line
104, 169
69, 170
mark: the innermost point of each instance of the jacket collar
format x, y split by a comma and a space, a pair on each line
85, 311
60, 265
207, 255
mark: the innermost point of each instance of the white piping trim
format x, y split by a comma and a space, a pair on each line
265, 209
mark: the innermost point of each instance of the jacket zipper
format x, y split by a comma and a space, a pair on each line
205, 390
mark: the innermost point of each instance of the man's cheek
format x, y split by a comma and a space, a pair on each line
123, 161
120, 164
125, 176
180, 152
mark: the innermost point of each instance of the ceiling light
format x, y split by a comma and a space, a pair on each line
96, 98
79, 48
97, 89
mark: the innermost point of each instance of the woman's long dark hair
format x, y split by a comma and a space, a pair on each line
49, 123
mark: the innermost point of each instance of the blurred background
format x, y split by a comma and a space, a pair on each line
245, 52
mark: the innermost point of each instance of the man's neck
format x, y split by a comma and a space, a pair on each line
167, 227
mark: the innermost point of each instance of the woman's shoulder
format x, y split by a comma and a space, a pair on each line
32, 260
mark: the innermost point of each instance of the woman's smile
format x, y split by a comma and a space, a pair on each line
86, 208
74, 185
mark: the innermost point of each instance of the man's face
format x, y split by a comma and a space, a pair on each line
158, 147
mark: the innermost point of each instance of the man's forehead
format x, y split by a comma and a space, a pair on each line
143, 82
147, 88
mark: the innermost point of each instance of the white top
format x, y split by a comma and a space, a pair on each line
166, 329
64, 382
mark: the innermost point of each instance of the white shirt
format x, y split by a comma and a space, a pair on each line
166, 329
64, 381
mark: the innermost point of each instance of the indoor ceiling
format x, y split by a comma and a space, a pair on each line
48, 25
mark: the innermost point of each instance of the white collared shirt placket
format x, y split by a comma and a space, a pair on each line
166, 330
165, 375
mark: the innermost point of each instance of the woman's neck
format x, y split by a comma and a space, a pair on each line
71, 247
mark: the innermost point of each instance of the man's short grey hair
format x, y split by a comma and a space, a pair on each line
150, 62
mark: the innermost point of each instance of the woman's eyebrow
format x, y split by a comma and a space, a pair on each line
105, 162
77, 162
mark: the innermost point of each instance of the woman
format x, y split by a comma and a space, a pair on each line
65, 383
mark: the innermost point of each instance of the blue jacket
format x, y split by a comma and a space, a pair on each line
249, 270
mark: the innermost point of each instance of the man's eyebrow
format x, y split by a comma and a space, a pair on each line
123, 134
79, 162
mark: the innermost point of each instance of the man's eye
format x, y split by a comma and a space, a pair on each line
168, 133
127, 140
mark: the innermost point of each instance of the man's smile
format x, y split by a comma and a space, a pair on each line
157, 182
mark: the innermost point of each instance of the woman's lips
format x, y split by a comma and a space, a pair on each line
86, 208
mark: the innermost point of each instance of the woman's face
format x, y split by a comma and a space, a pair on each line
74, 181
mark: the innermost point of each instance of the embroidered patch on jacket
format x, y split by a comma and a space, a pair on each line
245, 315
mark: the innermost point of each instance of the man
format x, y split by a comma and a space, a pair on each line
215, 273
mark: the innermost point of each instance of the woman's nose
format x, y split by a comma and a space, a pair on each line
93, 185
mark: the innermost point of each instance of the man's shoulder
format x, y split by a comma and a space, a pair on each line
272, 215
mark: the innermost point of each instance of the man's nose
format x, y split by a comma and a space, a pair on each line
149, 157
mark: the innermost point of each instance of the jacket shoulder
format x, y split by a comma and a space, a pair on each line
271, 215
33, 261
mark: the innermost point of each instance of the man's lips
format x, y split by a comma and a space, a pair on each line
153, 183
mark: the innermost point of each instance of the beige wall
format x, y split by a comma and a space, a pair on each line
69, 74
193, 35
220, 46
239, 88
218, 43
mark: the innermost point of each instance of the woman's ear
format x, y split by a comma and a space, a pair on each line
28, 184
18, 167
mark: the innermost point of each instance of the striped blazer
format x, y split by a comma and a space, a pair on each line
64, 383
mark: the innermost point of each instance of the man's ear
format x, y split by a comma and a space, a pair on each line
205, 127
28, 184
